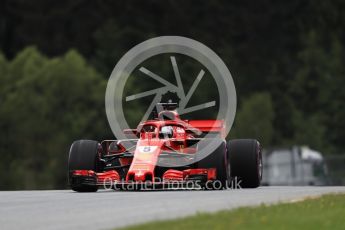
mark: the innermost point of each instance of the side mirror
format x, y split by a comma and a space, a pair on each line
193, 131
131, 132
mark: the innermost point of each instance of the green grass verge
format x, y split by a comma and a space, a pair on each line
326, 212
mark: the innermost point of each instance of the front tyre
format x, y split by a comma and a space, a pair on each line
245, 162
218, 160
83, 155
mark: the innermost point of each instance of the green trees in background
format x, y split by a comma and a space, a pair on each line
286, 57
255, 119
45, 105
318, 93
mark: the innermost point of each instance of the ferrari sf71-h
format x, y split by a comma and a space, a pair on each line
166, 151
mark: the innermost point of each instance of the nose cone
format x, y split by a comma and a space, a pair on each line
145, 160
139, 176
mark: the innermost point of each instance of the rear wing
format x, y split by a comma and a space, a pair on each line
209, 126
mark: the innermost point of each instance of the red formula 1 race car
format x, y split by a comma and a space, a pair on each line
166, 154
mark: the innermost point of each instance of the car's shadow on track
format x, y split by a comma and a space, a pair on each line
154, 190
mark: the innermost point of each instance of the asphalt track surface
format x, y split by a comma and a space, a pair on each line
64, 209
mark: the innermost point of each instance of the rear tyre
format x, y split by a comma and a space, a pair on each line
245, 162
83, 155
218, 160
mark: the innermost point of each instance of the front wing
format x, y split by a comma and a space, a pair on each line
171, 179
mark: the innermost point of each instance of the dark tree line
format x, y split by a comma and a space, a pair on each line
286, 57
